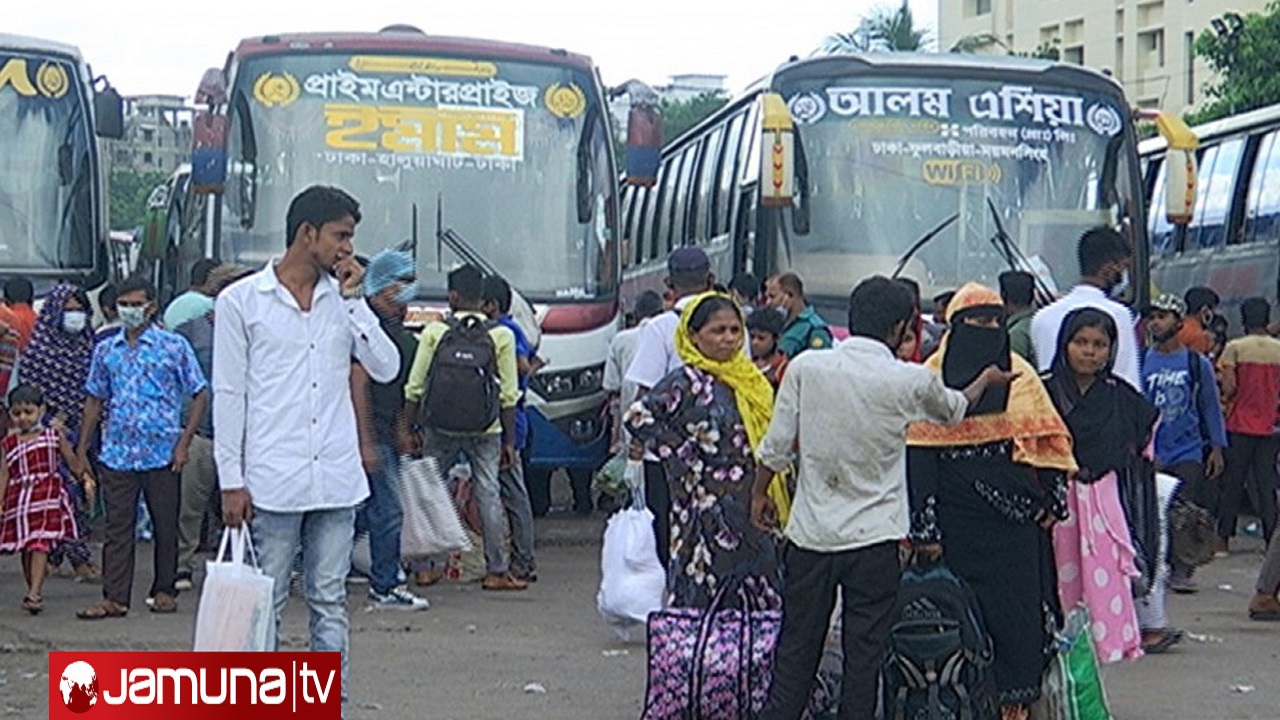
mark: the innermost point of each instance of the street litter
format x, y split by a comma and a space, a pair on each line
535, 689
1242, 689
1225, 587
615, 653
1204, 638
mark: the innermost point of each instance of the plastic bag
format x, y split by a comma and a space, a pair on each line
431, 523
632, 580
237, 603
1073, 687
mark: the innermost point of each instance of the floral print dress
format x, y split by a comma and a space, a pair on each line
690, 420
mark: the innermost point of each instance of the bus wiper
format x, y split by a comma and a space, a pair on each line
582, 185
924, 240
800, 214
1012, 254
448, 237
249, 159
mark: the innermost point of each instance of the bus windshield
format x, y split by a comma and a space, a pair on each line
885, 161
46, 167
515, 155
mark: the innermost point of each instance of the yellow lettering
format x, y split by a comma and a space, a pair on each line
411, 129
446, 131
422, 65
349, 121
14, 73
959, 172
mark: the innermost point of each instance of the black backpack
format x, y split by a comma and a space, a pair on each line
462, 383
938, 661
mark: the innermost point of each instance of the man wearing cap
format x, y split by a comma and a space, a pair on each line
199, 477
688, 274
1192, 433
805, 328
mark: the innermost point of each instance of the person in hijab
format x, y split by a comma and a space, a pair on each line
702, 421
985, 492
1106, 550
56, 360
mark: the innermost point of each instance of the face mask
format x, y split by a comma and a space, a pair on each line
780, 310
1121, 286
73, 321
406, 294
133, 317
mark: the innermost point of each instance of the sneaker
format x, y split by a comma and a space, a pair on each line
183, 583
397, 598
504, 581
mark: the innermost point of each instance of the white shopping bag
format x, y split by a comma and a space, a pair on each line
431, 523
237, 604
632, 580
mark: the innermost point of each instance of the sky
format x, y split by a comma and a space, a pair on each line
163, 46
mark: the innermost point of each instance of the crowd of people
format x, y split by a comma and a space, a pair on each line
1018, 446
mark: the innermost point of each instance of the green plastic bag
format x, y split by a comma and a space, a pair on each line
1073, 688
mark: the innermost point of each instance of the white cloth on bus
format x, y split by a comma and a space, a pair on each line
1048, 321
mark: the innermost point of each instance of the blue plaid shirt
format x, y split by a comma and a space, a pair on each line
147, 386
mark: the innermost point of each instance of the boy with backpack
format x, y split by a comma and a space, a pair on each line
463, 389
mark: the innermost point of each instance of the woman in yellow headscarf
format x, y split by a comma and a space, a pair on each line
985, 492
703, 421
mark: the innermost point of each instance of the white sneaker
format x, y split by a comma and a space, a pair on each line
398, 598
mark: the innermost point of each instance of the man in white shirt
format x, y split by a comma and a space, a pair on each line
1105, 259
622, 350
847, 410
286, 448
688, 274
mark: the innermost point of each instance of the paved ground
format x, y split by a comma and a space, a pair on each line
472, 655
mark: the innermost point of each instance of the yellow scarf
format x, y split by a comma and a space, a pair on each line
751, 390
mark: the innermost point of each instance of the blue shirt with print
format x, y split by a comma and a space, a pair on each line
526, 351
147, 386
1184, 420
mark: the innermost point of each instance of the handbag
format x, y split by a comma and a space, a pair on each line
712, 664
1072, 688
237, 603
431, 523
632, 581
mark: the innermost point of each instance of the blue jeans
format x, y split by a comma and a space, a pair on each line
484, 453
381, 516
326, 537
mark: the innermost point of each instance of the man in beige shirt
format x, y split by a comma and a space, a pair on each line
848, 411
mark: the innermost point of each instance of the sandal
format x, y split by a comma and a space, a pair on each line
164, 603
103, 609
1167, 640
33, 604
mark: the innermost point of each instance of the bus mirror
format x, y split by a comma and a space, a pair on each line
644, 145
209, 153
108, 113
777, 172
213, 88
1180, 167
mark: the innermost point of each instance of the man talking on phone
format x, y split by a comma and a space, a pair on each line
286, 447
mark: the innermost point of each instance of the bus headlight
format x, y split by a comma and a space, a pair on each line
568, 384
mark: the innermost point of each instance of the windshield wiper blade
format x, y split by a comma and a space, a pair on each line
1012, 254
450, 238
924, 240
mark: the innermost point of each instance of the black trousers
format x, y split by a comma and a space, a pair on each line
868, 579
657, 495
1195, 488
1251, 465
161, 490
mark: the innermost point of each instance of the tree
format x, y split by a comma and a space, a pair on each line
127, 193
1242, 53
680, 115
973, 44
886, 29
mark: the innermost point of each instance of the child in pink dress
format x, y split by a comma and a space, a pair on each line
36, 511
1111, 424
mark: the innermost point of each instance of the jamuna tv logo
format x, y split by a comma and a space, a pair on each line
154, 685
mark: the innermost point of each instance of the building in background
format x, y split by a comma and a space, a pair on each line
1146, 44
682, 88
157, 134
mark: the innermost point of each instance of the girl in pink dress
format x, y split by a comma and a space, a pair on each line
1110, 422
36, 510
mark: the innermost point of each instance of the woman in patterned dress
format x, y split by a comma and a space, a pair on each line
37, 511
703, 422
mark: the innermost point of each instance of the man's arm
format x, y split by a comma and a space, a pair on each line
1043, 347
370, 345
230, 382
509, 391
88, 425
97, 386
1127, 364
362, 403
199, 404
649, 365
777, 450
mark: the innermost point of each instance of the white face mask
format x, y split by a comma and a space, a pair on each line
1121, 287
132, 317
73, 321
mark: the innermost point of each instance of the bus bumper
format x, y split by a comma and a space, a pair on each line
578, 440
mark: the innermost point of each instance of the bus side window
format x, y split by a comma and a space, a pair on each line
684, 194
1217, 184
728, 172
1262, 221
1159, 228
705, 205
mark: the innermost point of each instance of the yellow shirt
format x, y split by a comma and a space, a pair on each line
504, 343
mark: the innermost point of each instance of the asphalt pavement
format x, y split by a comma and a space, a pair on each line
545, 653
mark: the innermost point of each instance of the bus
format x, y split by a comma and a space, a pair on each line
942, 168
1232, 241
459, 151
53, 198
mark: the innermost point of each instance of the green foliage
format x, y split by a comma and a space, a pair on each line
1245, 65
887, 29
977, 43
680, 115
128, 191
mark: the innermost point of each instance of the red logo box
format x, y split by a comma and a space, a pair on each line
145, 685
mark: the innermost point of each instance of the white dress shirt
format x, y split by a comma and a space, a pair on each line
284, 425
622, 350
1048, 322
848, 409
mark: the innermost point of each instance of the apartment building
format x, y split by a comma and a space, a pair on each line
157, 134
1146, 44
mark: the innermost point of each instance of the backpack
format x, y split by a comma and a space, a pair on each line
938, 661
462, 382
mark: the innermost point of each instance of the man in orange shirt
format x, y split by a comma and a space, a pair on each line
1202, 303
18, 294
